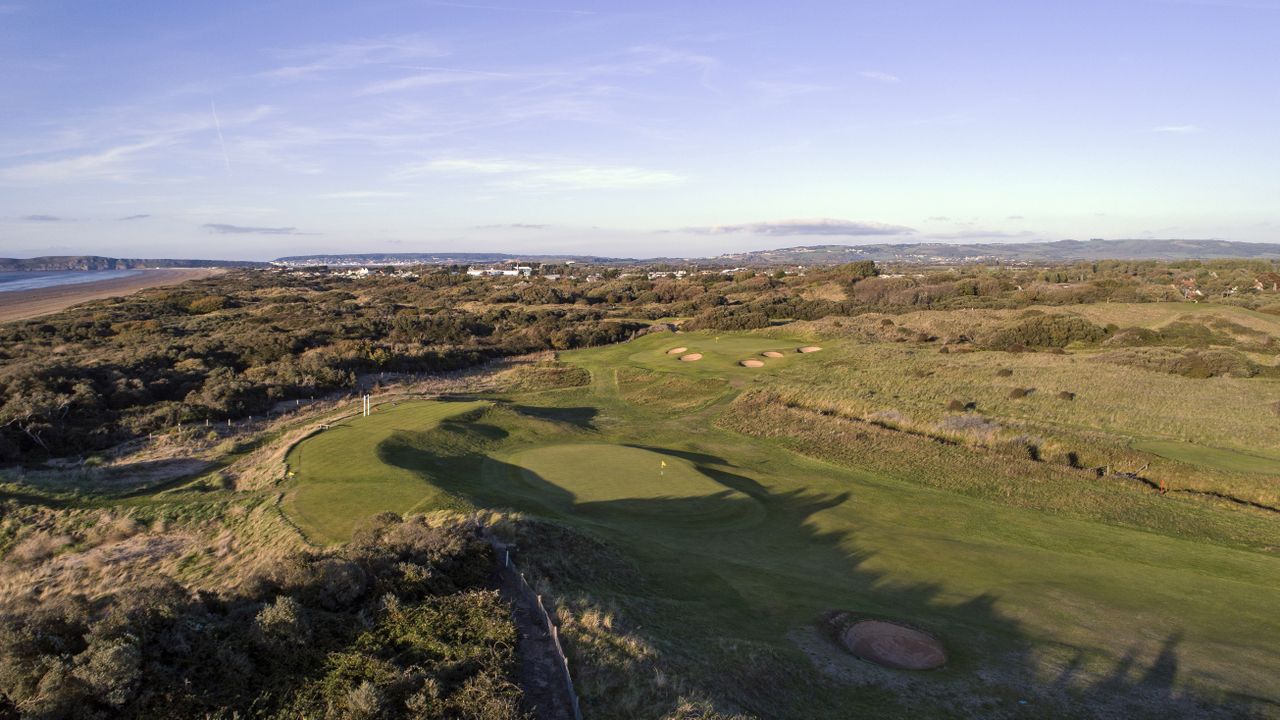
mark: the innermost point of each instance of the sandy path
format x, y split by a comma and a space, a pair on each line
27, 304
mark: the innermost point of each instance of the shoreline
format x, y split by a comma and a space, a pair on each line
28, 304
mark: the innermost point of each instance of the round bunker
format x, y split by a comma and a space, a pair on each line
808, 349
752, 363
677, 351
771, 354
691, 357
893, 645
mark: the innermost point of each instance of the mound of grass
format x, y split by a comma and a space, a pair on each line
545, 376
340, 477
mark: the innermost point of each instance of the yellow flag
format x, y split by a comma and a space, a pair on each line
664, 463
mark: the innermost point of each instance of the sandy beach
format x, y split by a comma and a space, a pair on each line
26, 304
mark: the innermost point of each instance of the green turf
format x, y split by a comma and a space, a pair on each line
720, 352
340, 477
1216, 458
741, 543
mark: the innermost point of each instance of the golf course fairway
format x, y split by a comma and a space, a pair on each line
741, 546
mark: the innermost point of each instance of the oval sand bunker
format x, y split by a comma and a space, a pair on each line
808, 349
893, 645
676, 351
751, 363
771, 354
691, 357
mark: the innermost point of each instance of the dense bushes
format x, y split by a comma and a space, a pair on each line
397, 624
728, 318
236, 345
1188, 363
1040, 330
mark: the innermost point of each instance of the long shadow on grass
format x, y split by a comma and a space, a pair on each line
721, 576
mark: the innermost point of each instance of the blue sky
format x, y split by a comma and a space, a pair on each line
273, 127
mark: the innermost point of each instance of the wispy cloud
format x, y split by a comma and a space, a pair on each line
224, 229
362, 195
778, 91
142, 216
442, 76
820, 226
980, 235
1176, 129
116, 163
882, 77
336, 57
513, 226
544, 174
507, 8
43, 218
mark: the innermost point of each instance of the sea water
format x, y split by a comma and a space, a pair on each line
12, 281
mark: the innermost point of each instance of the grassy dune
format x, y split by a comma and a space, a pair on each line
1128, 603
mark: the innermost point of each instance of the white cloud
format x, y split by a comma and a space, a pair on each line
361, 195
432, 76
1176, 129
878, 76
116, 164
545, 174
334, 57
773, 91
981, 235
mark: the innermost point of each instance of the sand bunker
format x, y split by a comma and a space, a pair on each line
691, 357
893, 645
808, 349
752, 363
771, 354
677, 351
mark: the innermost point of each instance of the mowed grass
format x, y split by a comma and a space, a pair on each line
599, 472
742, 545
341, 479
1217, 458
721, 353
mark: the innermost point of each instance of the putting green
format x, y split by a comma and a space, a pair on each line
720, 353
620, 481
1215, 458
595, 472
340, 478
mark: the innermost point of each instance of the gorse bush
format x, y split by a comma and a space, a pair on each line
1213, 362
396, 624
1044, 331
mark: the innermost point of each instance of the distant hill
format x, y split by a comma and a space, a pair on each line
361, 259
1059, 251
55, 263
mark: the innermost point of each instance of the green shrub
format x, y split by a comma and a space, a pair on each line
1043, 331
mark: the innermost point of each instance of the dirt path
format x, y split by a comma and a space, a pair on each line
27, 304
540, 675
